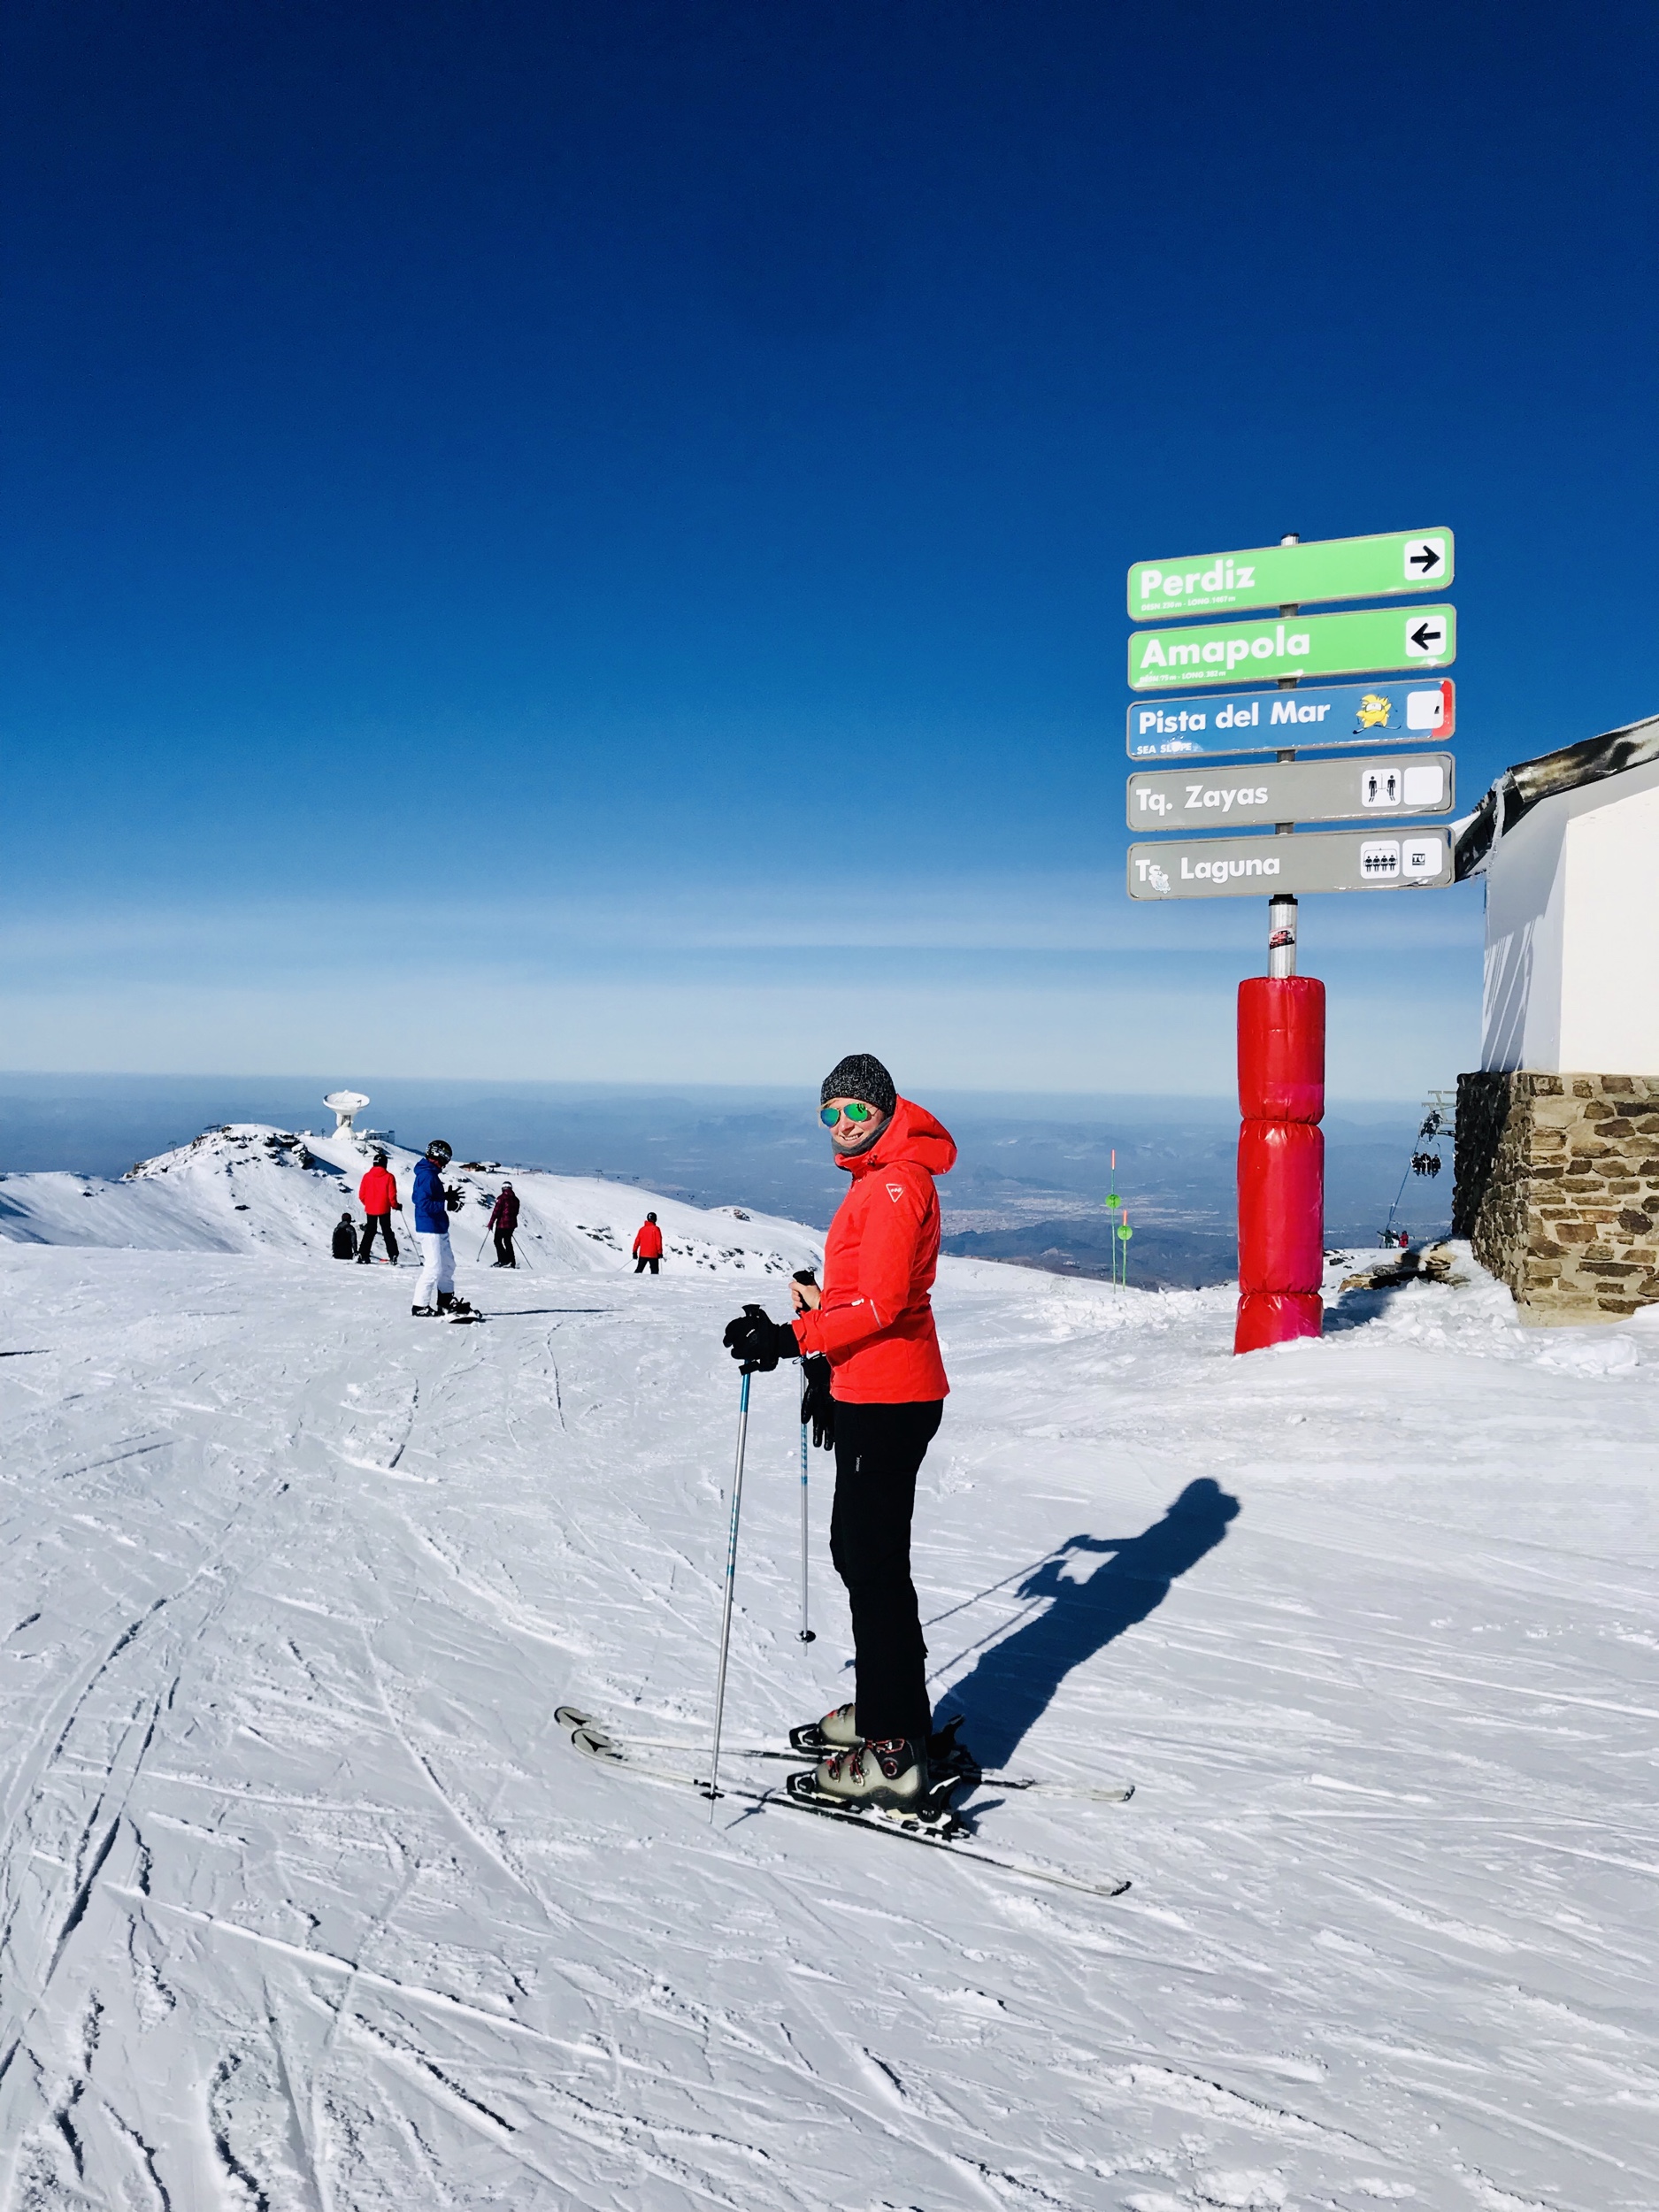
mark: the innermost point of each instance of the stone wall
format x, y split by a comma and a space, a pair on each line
1558, 1188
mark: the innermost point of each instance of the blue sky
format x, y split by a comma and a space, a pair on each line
587, 542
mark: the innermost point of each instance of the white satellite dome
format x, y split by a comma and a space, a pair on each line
345, 1103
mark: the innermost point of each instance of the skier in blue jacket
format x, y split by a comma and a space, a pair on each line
435, 1293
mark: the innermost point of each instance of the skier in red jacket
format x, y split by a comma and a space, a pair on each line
377, 1194
873, 1324
647, 1246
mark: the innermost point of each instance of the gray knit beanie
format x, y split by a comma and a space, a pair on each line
860, 1075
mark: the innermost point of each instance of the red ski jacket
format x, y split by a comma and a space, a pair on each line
505, 1213
876, 1322
648, 1244
378, 1191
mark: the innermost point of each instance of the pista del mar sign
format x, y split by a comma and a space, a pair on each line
1329, 714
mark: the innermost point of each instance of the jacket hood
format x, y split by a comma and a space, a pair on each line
912, 1134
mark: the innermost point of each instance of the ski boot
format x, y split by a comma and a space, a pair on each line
424, 1313
454, 1308
889, 1778
836, 1732
947, 1760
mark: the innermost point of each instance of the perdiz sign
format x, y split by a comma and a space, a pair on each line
1290, 791
1326, 860
1322, 714
1295, 645
1376, 567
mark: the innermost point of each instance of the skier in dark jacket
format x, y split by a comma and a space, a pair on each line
873, 1321
435, 1293
345, 1237
503, 1219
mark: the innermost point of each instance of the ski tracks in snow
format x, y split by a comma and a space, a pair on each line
304, 1908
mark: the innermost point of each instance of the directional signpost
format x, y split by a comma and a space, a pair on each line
1281, 1015
1256, 792
1291, 575
1294, 645
1376, 713
1327, 860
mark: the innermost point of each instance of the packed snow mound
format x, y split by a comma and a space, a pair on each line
248, 1187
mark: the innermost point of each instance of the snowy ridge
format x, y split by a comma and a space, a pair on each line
249, 1186
304, 1904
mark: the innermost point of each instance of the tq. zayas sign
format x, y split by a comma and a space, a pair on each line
1291, 791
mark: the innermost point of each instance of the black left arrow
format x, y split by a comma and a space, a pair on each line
1425, 635
1426, 559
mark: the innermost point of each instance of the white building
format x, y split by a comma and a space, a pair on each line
1569, 849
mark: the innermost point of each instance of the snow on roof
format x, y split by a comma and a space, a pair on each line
1527, 785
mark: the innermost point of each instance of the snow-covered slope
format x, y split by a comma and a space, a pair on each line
303, 1902
250, 1187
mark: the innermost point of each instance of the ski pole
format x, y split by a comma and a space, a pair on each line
808, 1635
804, 1275
731, 1584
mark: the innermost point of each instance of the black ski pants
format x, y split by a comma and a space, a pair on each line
878, 1452
639, 1266
383, 1223
504, 1257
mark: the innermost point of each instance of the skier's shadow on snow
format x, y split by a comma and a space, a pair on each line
1012, 1683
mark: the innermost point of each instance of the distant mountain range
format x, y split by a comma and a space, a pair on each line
1029, 1187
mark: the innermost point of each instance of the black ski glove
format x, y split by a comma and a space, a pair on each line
817, 1406
758, 1344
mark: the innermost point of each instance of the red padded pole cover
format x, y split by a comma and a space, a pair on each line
1281, 1048
1281, 1206
1272, 1316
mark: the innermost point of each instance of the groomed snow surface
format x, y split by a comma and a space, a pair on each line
306, 1903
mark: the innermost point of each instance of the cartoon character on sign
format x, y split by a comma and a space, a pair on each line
1374, 711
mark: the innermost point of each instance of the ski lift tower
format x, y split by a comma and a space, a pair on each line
345, 1104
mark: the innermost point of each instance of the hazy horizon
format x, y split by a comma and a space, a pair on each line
1029, 1186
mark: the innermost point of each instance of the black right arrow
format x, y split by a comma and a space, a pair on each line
1426, 559
1425, 633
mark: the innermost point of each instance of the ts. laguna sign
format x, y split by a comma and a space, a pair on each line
1326, 860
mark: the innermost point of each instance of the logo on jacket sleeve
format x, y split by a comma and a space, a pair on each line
896, 1191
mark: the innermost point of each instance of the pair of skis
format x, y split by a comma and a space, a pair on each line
941, 1831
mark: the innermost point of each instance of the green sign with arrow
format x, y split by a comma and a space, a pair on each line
1294, 645
1291, 575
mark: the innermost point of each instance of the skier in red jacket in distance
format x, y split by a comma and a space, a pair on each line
377, 1194
872, 1324
647, 1246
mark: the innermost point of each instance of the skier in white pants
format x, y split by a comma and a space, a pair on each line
435, 1293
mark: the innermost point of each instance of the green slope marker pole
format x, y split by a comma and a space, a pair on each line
1113, 1204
